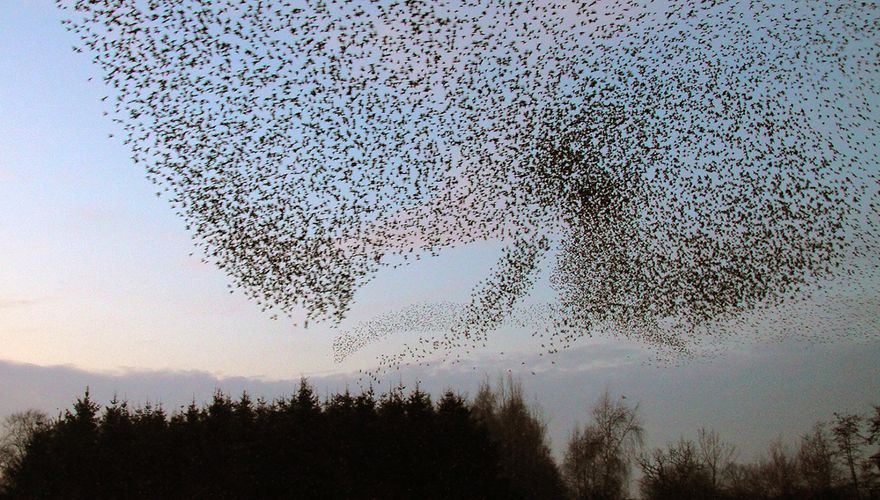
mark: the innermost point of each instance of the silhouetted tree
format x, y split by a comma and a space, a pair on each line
744, 481
580, 467
17, 431
521, 437
874, 435
473, 460
780, 472
678, 472
599, 458
716, 456
816, 463
846, 430
402, 446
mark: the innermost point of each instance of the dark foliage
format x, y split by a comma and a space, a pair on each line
396, 446
401, 445
818, 470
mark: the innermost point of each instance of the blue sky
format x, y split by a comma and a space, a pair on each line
97, 288
102, 275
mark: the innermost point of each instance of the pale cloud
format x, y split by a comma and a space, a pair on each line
16, 303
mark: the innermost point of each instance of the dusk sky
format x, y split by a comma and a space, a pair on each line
98, 288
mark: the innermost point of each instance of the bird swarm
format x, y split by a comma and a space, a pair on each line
682, 163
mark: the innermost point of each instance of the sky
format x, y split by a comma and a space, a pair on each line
98, 288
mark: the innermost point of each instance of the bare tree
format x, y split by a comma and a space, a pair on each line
678, 472
816, 461
656, 473
17, 431
744, 480
485, 403
580, 467
779, 471
849, 440
874, 435
715, 454
599, 458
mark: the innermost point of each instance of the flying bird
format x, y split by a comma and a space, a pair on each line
677, 165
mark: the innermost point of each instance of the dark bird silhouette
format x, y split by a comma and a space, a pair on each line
684, 164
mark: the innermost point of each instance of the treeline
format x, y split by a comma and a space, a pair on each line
396, 445
833, 460
400, 445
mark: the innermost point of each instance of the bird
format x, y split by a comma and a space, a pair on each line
680, 168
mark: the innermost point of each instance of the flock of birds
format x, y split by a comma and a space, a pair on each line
682, 163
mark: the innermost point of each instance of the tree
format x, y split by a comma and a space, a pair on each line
471, 459
350, 447
874, 435
847, 435
680, 472
580, 466
744, 481
774, 476
598, 459
779, 472
485, 403
715, 454
521, 436
18, 429
816, 463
